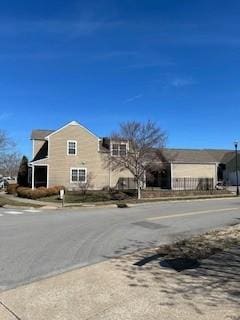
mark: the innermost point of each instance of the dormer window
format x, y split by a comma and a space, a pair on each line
72, 147
115, 149
123, 149
119, 149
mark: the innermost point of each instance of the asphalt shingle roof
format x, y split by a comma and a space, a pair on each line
197, 155
40, 134
166, 154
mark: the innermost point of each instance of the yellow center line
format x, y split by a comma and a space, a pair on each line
185, 214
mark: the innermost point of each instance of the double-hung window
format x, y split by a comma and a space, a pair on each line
115, 149
72, 147
123, 149
78, 175
119, 149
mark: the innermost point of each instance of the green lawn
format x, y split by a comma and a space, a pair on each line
4, 201
93, 197
102, 197
77, 198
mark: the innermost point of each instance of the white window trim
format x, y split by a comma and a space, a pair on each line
74, 141
76, 182
118, 143
33, 169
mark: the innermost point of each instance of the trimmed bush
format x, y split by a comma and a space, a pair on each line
24, 192
37, 193
118, 195
12, 188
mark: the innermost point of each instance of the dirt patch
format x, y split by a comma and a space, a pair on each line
188, 253
214, 284
203, 246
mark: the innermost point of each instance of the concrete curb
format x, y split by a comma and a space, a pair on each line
53, 205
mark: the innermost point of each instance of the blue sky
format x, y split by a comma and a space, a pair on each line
104, 62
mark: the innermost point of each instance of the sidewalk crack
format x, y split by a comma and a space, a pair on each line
10, 311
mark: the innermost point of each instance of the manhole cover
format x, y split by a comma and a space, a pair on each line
180, 264
149, 225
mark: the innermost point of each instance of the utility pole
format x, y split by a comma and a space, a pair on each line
236, 158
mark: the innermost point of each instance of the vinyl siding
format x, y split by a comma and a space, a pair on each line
185, 170
37, 145
87, 157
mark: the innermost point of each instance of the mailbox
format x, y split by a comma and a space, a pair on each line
61, 194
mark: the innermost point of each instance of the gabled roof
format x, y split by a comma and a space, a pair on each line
222, 156
197, 155
72, 123
187, 155
40, 134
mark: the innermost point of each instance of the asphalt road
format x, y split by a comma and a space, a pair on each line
37, 243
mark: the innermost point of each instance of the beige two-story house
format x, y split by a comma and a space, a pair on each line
74, 155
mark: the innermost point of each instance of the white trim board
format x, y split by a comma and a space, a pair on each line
78, 168
72, 123
33, 162
76, 148
33, 177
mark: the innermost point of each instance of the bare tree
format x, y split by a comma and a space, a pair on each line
144, 141
4, 141
85, 186
9, 158
9, 164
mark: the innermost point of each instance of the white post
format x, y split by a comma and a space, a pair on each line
48, 176
110, 178
171, 165
33, 180
215, 180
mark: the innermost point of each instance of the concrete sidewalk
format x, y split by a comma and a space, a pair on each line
30, 201
117, 289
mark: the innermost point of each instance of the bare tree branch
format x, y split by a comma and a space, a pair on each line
9, 164
9, 158
5, 142
144, 141
88, 184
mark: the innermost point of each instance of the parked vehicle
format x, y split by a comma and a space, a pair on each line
3, 183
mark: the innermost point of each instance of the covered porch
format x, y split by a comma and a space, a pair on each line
38, 175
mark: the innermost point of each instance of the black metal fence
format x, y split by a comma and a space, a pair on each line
198, 184
201, 184
126, 184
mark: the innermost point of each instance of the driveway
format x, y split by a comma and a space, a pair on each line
36, 244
